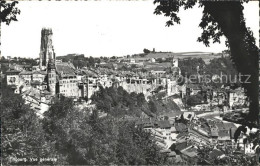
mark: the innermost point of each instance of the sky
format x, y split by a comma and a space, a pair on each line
102, 28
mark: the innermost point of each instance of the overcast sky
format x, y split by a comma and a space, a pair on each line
114, 28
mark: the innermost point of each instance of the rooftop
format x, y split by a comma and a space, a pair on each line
225, 126
164, 124
26, 73
180, 127
65, 69
181, 146
215, 153
39, 72
12, 71
193, 86
36, 82
224, 133
190, 151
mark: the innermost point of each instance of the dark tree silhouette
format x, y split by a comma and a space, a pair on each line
9, 11
224, 18
21, 130
146, 51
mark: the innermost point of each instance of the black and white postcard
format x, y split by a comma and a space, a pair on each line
137, 82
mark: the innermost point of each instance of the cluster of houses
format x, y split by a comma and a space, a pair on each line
38, 84
182, 136
53, 77
62, 78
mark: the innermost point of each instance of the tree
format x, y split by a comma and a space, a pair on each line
118, 102
194, 100
61, 126
159, 60
21, 129
91, 61
152, 106
146, 51
189, 66
203, 155
9, 11
82, 138
224, 18
222, 65
181, 80
60, 109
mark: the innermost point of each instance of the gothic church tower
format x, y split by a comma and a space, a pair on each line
47, 53
52, 78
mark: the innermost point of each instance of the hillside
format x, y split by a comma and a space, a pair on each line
206, 56
69, 56
175, 54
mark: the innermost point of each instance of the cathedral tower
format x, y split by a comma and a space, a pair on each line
47, 53
51, 74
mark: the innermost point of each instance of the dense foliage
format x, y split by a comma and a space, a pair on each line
72, 136
224, 66
146, 51
79, 61
189, 66
81, 137
118, 102
22, 133
159, 106
19, 61
8, 12
195, 100
218, 66
225, 71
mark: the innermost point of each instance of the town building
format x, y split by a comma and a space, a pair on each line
13, 77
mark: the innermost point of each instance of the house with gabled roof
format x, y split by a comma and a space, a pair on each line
189, 155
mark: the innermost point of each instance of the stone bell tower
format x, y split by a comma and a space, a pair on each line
47, 53
51, 76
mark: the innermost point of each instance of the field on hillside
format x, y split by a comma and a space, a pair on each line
206, 56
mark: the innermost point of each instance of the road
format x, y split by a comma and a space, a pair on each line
212, 113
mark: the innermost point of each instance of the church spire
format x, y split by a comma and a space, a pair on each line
46, 49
